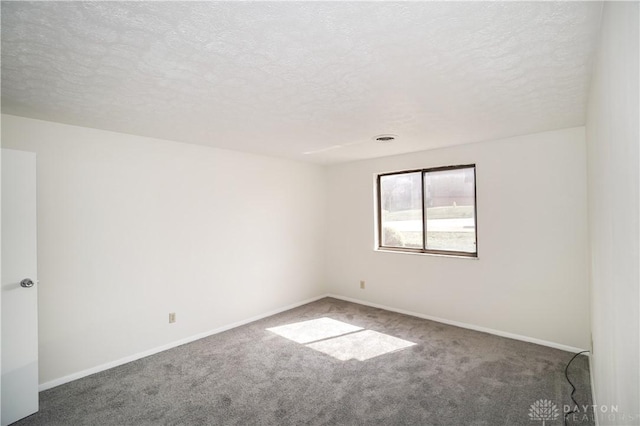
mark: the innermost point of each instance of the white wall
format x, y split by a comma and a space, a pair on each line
132, 228
613, 158
0, 268
531, 275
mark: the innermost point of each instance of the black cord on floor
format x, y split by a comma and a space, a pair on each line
573, 391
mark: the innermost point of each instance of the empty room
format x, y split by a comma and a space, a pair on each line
349, 213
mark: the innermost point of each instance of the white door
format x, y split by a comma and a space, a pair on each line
19, 287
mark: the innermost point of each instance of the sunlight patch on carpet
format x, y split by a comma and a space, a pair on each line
314, 330
341, 340
362, 346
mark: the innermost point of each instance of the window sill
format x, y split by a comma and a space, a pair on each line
381, 250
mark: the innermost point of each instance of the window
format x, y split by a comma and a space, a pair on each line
428, 211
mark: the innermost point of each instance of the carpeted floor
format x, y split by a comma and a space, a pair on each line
353, 365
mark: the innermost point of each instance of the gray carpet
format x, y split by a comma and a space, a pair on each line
252, 376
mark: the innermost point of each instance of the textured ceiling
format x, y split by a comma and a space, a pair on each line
312, 81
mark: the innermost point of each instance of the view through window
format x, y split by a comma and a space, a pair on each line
428, 211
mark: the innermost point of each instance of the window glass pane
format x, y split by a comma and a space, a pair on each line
450, 210
401, 210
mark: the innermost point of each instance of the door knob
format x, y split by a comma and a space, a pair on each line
26, 283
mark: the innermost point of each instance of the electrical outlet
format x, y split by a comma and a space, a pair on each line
172, 317
362, 284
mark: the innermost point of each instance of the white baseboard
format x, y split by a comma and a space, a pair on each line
463, 325
80, 374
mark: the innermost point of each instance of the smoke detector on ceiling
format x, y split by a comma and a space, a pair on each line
386, 138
